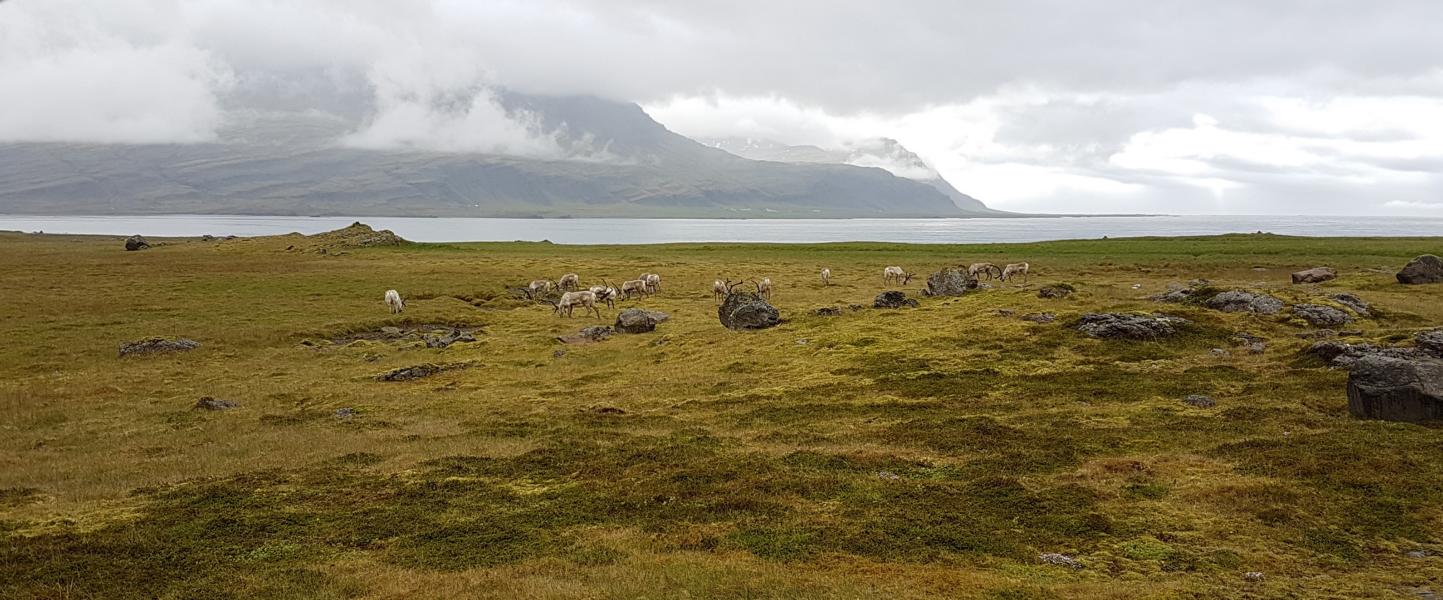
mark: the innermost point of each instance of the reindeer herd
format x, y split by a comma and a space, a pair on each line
590, 299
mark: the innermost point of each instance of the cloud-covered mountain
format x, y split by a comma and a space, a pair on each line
490, 154
883, 153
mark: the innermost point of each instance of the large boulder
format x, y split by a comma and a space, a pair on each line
1239, 301
135, 242
949, 282
1128, 326
1318, 315
1430, 342
1396, 389
1315, 275
636, 320
1424, 269
893, 299
745, 310
157, 345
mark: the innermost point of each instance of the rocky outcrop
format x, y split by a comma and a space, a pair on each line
1056, 290
1354, 303
1424, 269
1128, 326
135, 242
1240, 301
1199, 401
1396, 389
587, 335
1318, 315
636, 320
1045, 317
419, 371
949, 282
157, 345
745, 310
455, 335
1315, 275
209, 403
828, 311
893, 299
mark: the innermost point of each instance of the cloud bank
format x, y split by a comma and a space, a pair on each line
1035, 105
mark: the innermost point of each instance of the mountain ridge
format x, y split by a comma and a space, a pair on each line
614, 160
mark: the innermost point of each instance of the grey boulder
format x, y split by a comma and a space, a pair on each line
1239, 301
1424, 269
1318, 315
745, 310
1315, 275
1396, 389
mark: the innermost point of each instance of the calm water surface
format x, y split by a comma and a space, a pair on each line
649, 231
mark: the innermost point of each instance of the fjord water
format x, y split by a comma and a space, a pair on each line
652, 231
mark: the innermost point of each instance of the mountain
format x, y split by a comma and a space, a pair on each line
566, 156
885, 153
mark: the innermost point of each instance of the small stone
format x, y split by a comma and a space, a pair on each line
1417, 554
157, 345
1199, 401
1253, 576
1137, 286
1005, 312
1061, 560
1045, 317
828, 311
345, 413
1318, 315
1354, 303
1056, 290
558, 354
888, 475
209, 403
802, 342
1219, 352
1257, 348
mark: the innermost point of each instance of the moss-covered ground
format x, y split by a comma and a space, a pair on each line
913, 453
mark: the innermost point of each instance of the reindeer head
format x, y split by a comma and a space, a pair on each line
906, 278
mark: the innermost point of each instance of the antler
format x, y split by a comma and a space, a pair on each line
732, 286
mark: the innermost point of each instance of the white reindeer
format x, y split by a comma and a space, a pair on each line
653, 282
826, 276
1015, 269
897, 274
985, 268
570, 300
539, 287
605, 293
569, 282
764, 288
394, 301
718, 290
634, 287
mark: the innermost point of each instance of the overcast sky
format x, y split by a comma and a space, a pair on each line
1225, 106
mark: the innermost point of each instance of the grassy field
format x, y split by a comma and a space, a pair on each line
915, 453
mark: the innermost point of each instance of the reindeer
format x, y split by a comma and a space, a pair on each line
606, 293
569, 282
653, 282
1013, 270
634, 287
539, 287
984, 268
718, 290
764, 288
895, 274
394, 301
570, 300
826, 276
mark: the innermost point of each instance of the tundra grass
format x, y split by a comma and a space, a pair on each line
913, 453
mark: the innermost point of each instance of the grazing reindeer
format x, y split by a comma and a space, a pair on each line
718, 291
826, 277
539, 287
1013, 270
607, 294
570, 300
764, 288
653, 282
634, 287
984, 268
569, 282
895, 274
394, 301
